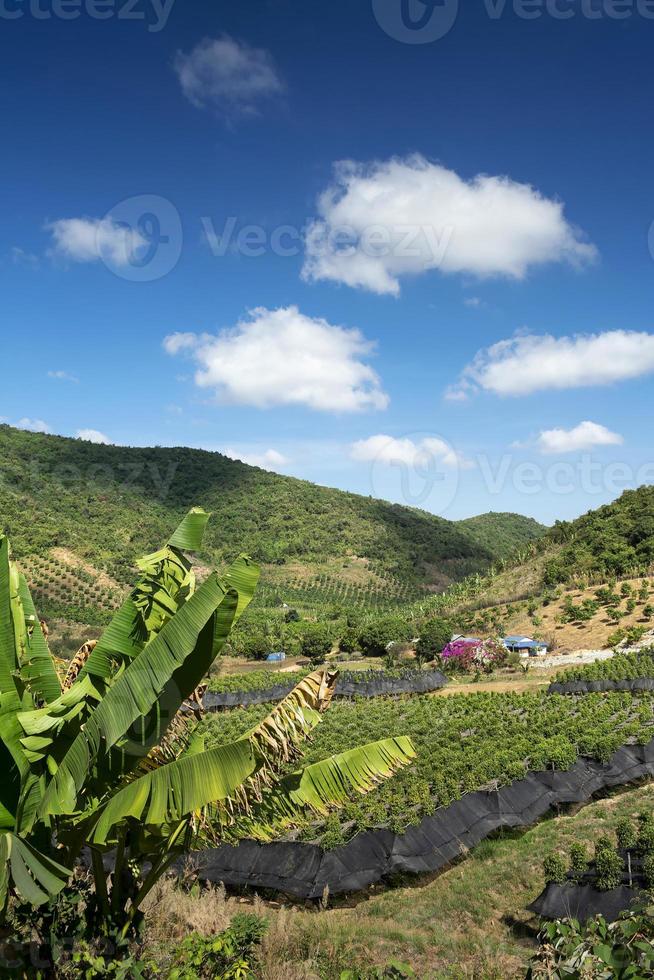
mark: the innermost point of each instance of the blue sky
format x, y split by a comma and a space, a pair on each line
377, 371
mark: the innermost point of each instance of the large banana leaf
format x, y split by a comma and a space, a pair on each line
174, 791
37, 666
35, 877
9, 673
166, 582
324, 785
140, 687
152, 727
13, 694
219, 778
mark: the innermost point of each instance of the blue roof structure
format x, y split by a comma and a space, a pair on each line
524, 642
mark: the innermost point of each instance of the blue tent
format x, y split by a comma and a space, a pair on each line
274, 657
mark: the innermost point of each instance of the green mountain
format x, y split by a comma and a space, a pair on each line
108, 504
614, 540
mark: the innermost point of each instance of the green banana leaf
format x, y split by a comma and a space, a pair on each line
324, 785
167, 581
172, 792
37, 666
36, 877
143, 685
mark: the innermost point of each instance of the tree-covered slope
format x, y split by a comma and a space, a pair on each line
109, 504
614, 540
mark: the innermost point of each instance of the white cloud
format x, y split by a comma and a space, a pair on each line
528, 363
227, 75
33, 425
582, 436
282, 357
90, 239
384, 220
392, 452
175, 343
20, 256
270, 459
92, 435
63, 376
473, 302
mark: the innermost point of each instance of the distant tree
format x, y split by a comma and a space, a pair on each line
378, 633
434, 637
316, 641
349, 641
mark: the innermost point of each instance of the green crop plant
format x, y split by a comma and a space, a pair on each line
109, 760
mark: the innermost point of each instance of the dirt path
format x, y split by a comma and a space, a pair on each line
519, 685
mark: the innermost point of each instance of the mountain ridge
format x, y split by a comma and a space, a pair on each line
111, 503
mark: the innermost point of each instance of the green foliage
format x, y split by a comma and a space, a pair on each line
645, 842
463, 742
109, 503
621, 667
378, 633
626, 833
316, 640
113, 761
608, 866
227, 956
648, 870
622, 949
555, 869
434, 637
578, 859
617, 540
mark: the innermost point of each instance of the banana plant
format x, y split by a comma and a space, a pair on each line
112, 759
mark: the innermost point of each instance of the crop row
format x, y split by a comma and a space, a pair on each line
464, 743
621, 667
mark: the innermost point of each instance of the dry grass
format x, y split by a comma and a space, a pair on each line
469, 922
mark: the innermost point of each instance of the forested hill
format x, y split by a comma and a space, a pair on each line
614, 540
109, 504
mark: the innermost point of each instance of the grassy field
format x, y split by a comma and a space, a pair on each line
468, 922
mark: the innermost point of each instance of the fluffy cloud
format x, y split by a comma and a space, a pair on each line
384, 220
227, 75
528, 363
33, 425
63, 376
405, 452
582, 436
270, 459
90, 239
92, 435
281, 357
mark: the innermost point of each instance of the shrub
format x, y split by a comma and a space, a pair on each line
646, 836
349, 641
479, 656
555, 869
578, 859
608, 868
597, 949
626, 833
648, 871
227, 956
